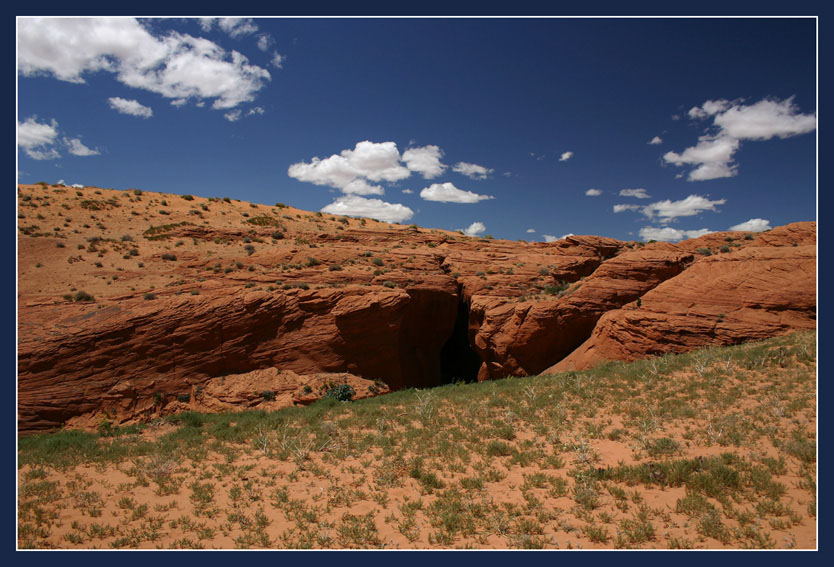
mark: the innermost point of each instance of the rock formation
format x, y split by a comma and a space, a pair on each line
131, 302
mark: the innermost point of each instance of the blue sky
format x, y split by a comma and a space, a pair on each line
519, 128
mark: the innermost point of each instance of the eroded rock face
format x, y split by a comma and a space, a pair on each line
217, 302
755, 293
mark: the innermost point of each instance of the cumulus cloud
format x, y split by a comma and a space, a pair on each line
732, 123
408, 191
362, 187
39, 140
668, 234
235, 27
566, 156
264, 41
36, 138
425, 161
550, 238
232, 115
448, 193
753, 225
472, 170
637, 193
174, 65
256, 110
655, 141
566, 235
475, 229
367, 161
623, 208
77, 148
668, 210
130, 107
593, 192
531, 230
355, 206
278, 60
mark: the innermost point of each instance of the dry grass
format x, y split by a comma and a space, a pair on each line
714, 449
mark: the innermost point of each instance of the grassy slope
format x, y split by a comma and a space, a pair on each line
715, 448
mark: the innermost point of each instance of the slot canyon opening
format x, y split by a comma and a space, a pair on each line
458, 362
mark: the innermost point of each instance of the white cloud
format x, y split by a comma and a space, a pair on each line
367, 161
256, 110
237, 27
472, 170
176, 66
355, 206
637, 193
668, 210
475, 229
77, 148
32, 134
362, 187
733, 122
38, 140
566, 156
622, 208
264, 41
408, 191
130, 106
531, 230
278, 60
712, 156
655, 141
753, 225
593, 192
448, 193
668, 234
233, 115
566, 235
425, 161
550, 238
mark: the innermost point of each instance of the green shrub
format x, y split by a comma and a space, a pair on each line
83, 296
342, 393
188, 197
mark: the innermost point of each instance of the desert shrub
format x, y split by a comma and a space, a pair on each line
249, 249
263, 221
557, 288
389, 283
170, 257
704, 251
188, 197
148, 296
83, 296
377, 261
342, 393
277, 235
268, 395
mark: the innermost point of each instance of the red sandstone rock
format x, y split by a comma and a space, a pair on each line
754, 293
218, 292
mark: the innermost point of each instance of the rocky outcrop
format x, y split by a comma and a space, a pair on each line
754, 293
215, 302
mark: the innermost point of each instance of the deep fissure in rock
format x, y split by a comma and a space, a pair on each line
458, 361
